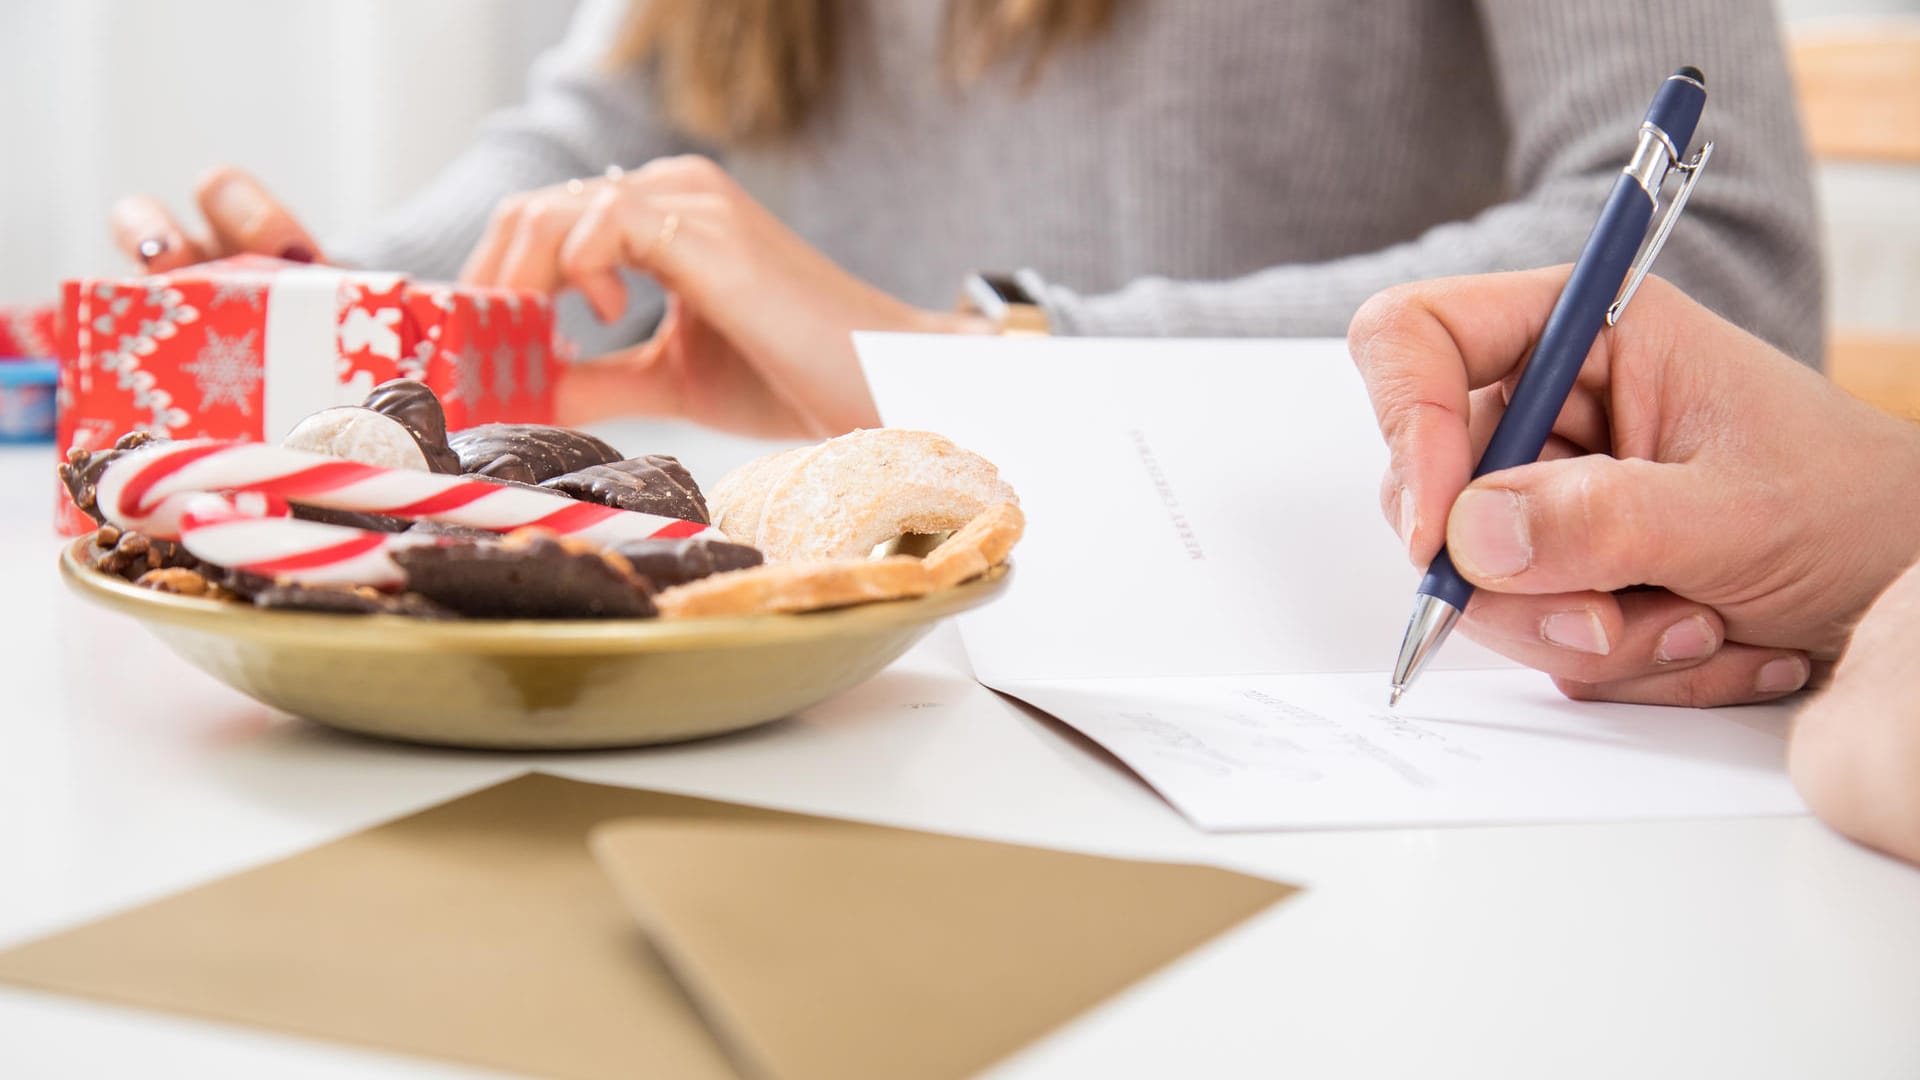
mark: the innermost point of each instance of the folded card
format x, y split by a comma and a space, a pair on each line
1208, 589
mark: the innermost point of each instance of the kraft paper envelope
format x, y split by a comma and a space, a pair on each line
870, 952
482, 931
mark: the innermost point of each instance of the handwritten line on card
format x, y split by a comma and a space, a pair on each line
1489, 747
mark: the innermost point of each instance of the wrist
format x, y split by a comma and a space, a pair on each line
1904, 491
1886, 511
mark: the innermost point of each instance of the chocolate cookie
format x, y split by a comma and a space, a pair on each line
450, 531
351, 518
654, 484
667, 563
80, 473
414, 405
528, 453
353, 433
532, 578
347, 600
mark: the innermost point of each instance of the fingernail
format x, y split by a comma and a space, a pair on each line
238, 204
152, 248
1689, 639
299, 253
1782, 675
1577, 630
1488, 533
1409, 520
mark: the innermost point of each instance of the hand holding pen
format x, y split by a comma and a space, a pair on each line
1768, 506
1615, 260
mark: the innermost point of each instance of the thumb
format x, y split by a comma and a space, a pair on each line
1591, 523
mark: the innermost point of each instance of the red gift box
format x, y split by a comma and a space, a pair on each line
245, 347
29, 331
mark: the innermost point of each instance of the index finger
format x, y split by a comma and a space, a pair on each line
147, 233
1421, 348
245, 217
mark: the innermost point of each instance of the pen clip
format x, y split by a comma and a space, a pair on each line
1650, 247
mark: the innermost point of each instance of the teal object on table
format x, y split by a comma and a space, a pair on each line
26, 399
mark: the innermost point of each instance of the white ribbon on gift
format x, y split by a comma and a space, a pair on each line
302, 363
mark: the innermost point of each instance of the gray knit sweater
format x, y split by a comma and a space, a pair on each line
1216, 167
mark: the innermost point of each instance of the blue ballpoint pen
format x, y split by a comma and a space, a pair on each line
1619, 247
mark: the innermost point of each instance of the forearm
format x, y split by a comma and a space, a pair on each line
1752, 270
1574, 81
1319, 299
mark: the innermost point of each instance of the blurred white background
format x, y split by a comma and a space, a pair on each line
344, 106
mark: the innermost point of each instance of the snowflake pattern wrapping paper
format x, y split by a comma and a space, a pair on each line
29, 331
217, 351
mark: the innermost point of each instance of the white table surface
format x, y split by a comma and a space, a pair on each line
1750, 948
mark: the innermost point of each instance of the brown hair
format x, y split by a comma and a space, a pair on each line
738, 71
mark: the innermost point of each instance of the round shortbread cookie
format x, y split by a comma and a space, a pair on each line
864, 488
787, 588
735, 502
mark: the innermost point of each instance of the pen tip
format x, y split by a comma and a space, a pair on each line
1393, 699
1693, 73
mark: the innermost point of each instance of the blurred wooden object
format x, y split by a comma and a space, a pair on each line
1859, 90
1882, 369
1859, 86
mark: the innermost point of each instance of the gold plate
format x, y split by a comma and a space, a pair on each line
531, 684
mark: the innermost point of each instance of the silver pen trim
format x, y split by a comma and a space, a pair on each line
1656, 237
1653, 158
1427, 628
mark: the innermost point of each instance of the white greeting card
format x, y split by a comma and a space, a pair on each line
1208, 589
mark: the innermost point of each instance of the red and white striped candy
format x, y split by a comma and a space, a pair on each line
251, 532
150, 488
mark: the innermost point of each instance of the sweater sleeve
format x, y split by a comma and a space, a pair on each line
580, 116
1574, 80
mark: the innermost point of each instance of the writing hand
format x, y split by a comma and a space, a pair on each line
1767, 505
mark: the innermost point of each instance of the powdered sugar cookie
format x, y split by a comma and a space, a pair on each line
737, 499
852, 493
796, 587
979, 546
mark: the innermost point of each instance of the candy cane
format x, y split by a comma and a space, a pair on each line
149, 490
251, 532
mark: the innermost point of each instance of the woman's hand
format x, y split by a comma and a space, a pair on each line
1855, 753
687, 369
759, 340
1768, 505
242, 217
